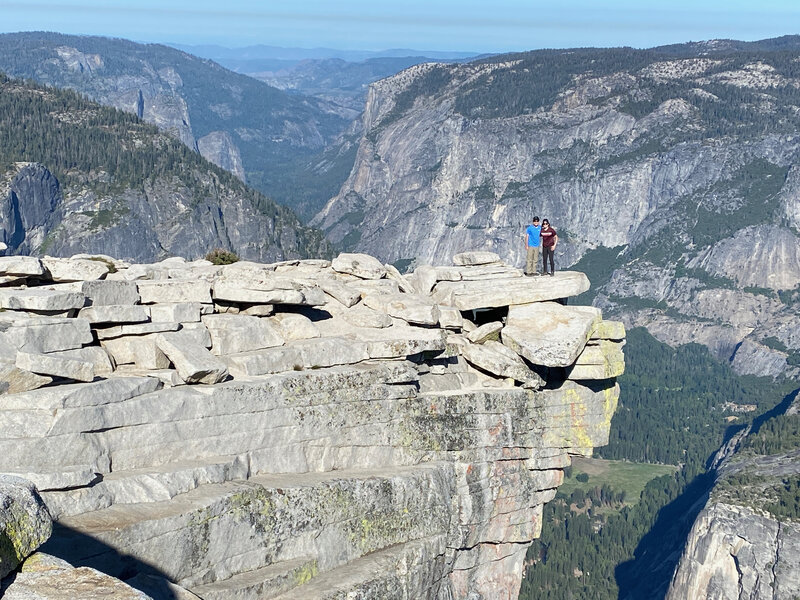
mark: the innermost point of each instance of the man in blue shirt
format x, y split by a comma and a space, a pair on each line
533, 243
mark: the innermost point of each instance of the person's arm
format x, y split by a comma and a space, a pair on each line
555, 241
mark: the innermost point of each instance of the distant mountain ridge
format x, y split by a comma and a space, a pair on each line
256, 131
672, 175
77, 177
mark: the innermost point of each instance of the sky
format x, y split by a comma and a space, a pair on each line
455, 25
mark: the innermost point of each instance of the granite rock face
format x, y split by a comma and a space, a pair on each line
737, 548
321, 448
622, 153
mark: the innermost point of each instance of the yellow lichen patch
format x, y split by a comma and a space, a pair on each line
306, 573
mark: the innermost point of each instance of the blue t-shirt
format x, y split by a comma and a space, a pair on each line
533, 232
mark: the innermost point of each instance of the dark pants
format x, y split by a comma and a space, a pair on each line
548, 252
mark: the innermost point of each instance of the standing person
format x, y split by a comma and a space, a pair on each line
532, 245
549, 242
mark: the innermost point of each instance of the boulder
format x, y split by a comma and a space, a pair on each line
547, 333
110, 313
258, 310
476, 258
346, 295
199, 333
55, 366
450, 318
45, 577
304, 354
75, 269
295, 327
35, 299
402, 282
484, 332
194, 363
26, 266
231, 334
424, 279
106, 292
171, 290
363, 266
498, 360
25, 523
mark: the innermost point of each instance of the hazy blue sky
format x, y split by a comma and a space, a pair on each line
480, 25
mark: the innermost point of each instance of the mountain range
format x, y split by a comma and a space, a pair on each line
671, 175
78, 177
256, 131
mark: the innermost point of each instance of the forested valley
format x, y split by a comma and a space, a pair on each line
676, 408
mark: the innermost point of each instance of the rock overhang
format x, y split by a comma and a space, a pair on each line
344, 371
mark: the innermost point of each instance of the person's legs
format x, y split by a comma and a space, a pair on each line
544, 261
535, 260
552, 261
529, 265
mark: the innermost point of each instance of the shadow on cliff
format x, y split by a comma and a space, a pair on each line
81, 550
647, 576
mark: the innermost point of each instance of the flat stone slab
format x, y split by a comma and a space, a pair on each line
107, 333
450, 318
172, 290
363, 316
469, 295
413, 308
498, 360
105, 292
14, 380
234, 333
116, 314
363, 266
55, 366
35, 299
47, 334
194, 363
75, 269
547, 333
27, 266
476, 258
233, 291
305, 354
177, 312
609, 330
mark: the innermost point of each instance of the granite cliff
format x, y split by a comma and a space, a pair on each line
79, 177
745, 543
656, 167
241, 124
302, 429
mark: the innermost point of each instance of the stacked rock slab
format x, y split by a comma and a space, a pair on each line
305, 429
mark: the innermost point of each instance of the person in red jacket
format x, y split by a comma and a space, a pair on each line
549, 242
